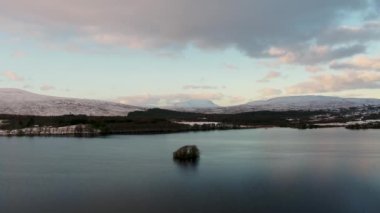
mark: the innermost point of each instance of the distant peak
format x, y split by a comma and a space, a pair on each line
297, 98
196, 103
307, 102
305, 97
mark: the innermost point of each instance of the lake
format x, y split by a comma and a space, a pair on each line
260, 170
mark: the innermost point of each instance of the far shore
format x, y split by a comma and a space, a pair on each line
97, 133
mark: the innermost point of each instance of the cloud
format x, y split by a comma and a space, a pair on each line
269, 92
334, 83
47, 87
313, 69
313, 55
201, 87
252, 27
368, 31
170, 99
358, 63
18, 54
10, 75
270, 76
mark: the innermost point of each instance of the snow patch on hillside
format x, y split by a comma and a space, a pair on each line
311, 103
302, 103
20, 102
293, 103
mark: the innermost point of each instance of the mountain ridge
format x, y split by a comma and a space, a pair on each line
286, 103
306, 102
21, 102
194, 103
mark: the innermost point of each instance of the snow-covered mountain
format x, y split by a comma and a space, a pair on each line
291, 103
15, 101
196, 103
303, 103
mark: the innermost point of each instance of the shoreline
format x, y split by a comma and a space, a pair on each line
159, 132
158, 121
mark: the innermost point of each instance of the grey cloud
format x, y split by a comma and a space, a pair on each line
343, 66
313, 55
251, 26
369, 31
330, 54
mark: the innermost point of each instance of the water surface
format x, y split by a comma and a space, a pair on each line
262, 170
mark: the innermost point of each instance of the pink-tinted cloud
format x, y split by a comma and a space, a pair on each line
270, 76
336, 82
18, 54
10, 75
358, 63
313, 69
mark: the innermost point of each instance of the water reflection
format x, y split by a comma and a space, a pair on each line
187, 165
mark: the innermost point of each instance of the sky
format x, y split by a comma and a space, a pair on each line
158, 52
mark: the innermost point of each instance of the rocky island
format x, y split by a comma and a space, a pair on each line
187, 153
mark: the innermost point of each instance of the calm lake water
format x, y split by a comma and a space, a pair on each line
262, 170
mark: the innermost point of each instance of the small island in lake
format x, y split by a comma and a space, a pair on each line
187, 153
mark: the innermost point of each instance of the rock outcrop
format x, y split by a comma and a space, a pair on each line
190, 152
